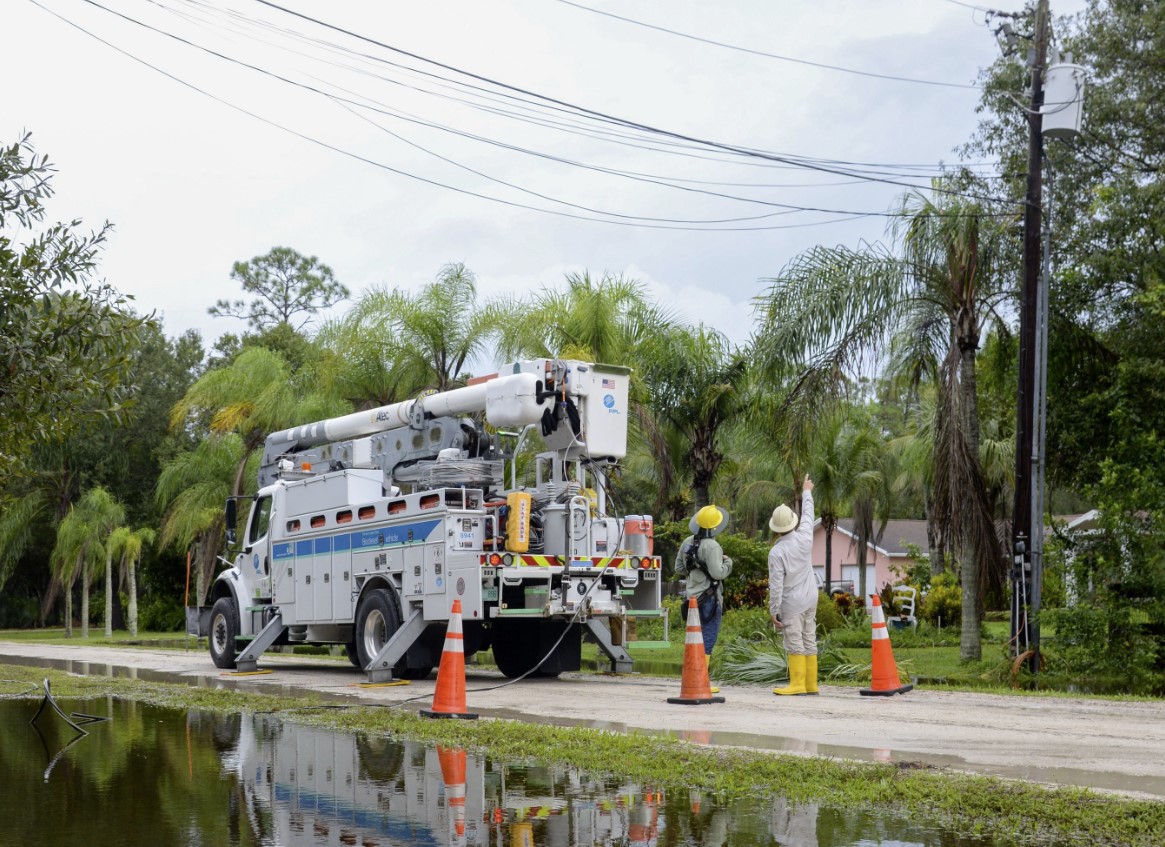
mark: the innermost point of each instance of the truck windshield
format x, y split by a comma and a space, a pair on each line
260, 520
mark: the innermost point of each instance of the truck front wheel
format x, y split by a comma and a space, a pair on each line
377, 620
224, 626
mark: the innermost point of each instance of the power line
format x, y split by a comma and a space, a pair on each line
571, 127
977, 8
345, 103
417, 177
765, 54
803, 162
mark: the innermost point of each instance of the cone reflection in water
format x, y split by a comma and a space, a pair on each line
453, 762
884, 673
695, 687
643, 822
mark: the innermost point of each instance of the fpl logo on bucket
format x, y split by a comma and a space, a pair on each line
609, 402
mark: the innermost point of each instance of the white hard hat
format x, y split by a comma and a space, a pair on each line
783, 519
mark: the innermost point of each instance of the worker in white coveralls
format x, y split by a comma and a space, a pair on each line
701, 559
793, 591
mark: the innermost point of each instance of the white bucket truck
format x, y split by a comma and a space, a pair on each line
367, 527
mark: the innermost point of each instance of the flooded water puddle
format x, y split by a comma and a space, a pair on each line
150, 776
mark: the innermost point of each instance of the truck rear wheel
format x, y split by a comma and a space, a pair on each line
224, 626
519, 646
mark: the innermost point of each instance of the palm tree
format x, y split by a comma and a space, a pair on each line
67, 559
603, 320
696, 384
428, 337
834, 311
191, 491
101, 515
845, 473
80, 549
255, 395
127, 544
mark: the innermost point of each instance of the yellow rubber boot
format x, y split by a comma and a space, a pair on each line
796, 676
811, 674
708, 659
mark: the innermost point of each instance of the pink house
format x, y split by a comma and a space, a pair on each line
881, 558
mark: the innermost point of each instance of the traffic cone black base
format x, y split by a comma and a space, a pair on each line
455, 716
869, 692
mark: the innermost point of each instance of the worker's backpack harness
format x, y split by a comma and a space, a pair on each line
692, 561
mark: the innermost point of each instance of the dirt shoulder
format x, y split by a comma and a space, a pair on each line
1101, 744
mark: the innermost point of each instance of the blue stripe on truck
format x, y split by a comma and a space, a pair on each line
415, 533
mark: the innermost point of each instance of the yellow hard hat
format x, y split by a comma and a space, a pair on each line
711, 518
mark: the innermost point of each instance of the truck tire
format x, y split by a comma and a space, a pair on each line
377, 620
353, 655
513, 650
518, 647
224, 626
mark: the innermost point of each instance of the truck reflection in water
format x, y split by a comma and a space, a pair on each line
302, 785
298, 785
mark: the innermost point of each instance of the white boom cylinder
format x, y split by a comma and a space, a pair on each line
507, 401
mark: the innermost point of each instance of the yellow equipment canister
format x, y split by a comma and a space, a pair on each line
518, 522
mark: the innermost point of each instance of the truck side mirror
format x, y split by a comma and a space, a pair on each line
231, 519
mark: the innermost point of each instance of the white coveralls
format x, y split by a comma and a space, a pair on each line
792, 586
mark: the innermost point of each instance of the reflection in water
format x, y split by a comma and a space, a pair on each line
157, 776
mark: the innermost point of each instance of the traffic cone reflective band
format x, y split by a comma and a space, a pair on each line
449, 696
884, 674
694, 685
453, 760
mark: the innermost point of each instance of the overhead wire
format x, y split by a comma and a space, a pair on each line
417, 177
765, 54
343, 101
620, 217
532, 104
804, 162
528, 105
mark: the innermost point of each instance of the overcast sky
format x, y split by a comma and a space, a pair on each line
193, 184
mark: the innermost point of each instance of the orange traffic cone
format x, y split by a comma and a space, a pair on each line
452, 761
884, 676
449, 696
694, 685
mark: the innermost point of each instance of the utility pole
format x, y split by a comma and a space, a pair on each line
1027, 527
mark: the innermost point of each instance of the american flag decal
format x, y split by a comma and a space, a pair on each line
608, 383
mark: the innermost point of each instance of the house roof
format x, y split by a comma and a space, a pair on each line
900, 533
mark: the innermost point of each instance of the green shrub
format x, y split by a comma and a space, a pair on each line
943, 603
750, 559
829, 617
1106, 644
924, 636
161, 614
668, 536
677, 614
